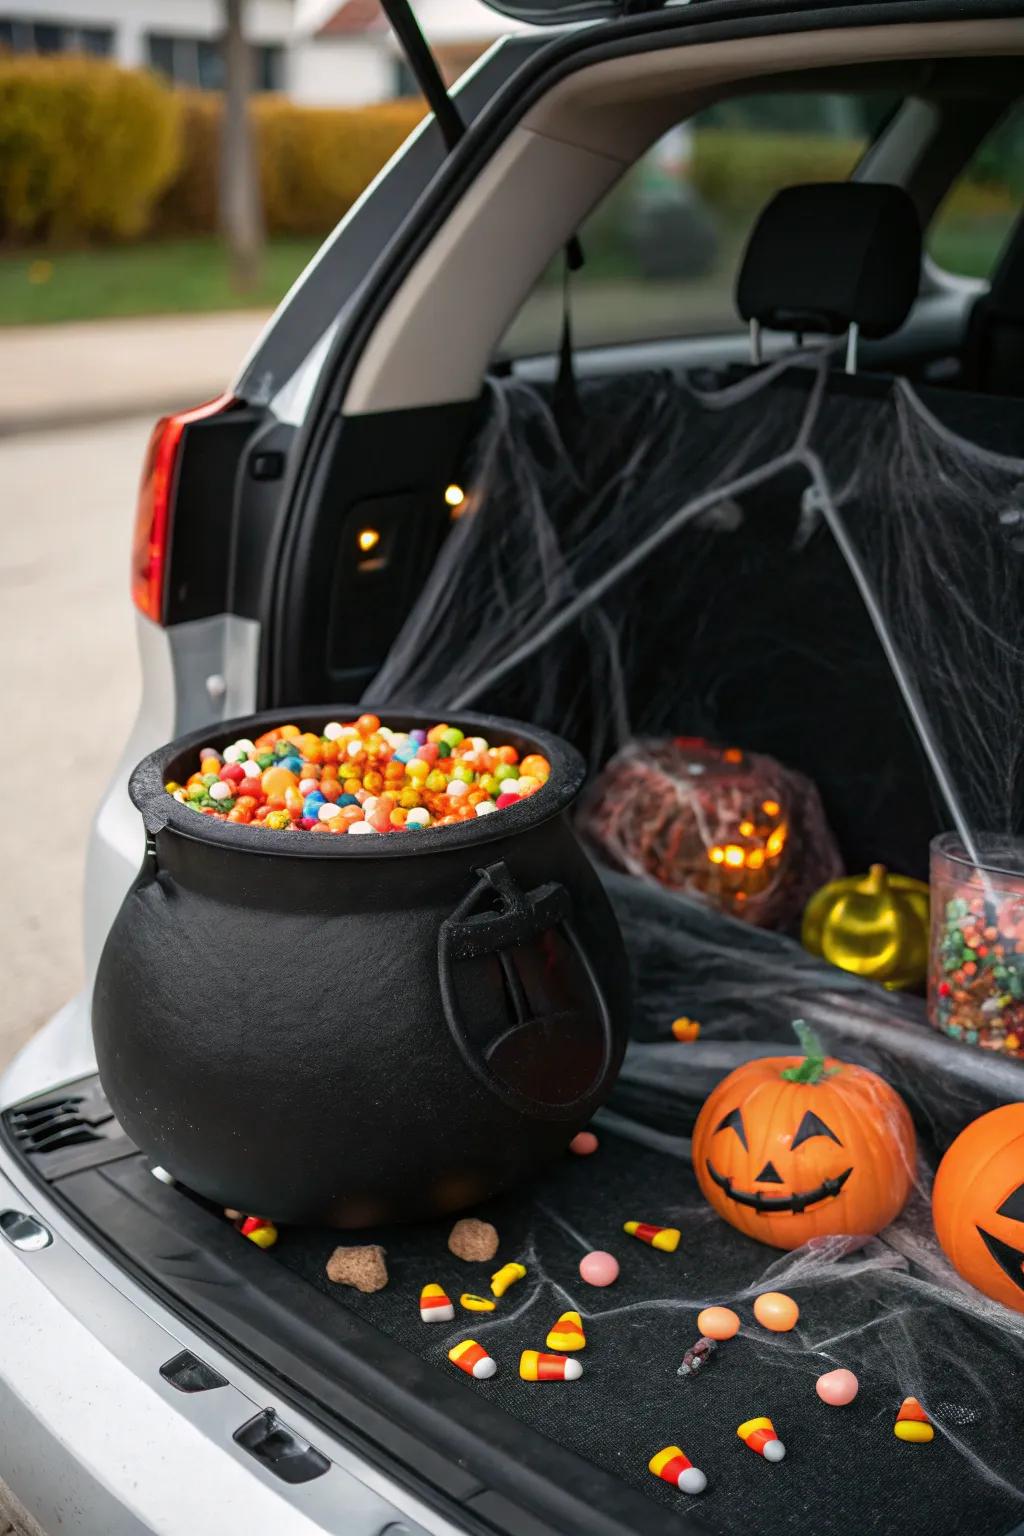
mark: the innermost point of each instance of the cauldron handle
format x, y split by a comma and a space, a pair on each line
523, 916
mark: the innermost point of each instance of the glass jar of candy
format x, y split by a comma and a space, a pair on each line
976, 971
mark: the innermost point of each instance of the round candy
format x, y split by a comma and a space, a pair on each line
718, 1323
837, 1388
583, 1143
599, 1268
776, 1312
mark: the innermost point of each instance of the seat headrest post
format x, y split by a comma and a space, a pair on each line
852, 337
755, 343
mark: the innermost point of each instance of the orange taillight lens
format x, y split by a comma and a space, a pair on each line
151, 538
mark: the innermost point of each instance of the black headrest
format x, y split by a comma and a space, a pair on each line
825, 256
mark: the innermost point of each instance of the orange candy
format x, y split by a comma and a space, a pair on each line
276, 780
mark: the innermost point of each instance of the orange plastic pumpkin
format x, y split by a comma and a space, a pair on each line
978, 1204
789, 1148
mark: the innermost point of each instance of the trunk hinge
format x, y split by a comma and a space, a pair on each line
425, 67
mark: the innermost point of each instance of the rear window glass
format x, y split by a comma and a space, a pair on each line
970, 228
661, 251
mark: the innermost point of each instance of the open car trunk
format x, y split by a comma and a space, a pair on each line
831, 566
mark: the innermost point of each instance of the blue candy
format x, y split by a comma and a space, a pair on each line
346, 800
293, 763
312, 803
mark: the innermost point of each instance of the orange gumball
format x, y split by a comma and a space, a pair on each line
776, 1311
276, 780
718, 1323
978, 1204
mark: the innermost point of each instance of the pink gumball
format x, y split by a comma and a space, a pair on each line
837, 1388
599, 1268
583, 1143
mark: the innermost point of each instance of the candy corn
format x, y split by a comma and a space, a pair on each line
507, 1275
675, 1468
760, 1435
533, 1366
666, 1239
567, 1334
476, 1303
912, 1423
435, 1306
472, 1358
259, 1231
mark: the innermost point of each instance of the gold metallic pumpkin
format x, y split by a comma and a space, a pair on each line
875, 925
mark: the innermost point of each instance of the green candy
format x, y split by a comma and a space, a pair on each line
505, 771
453, 736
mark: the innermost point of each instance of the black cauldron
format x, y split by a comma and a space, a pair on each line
357, 1030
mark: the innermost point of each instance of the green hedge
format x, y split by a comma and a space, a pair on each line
90, 152
314, 162
85, 148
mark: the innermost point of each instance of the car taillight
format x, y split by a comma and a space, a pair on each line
151, 539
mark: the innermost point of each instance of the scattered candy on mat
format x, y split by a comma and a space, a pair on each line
776, 1311
435, 1305
718, 1323
686, 1030
599, 1268
536, 1366
665, 1239
912, 1423
259, 1231
507, 1275
760, 1435
359, 777
697, 1357
473, 1240
584, 1143
476, 1303
837, 1388
472, 1358
567, 1333
362, 1268
672, 1466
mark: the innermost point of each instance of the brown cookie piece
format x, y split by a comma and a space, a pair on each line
363, 1268
473, 1240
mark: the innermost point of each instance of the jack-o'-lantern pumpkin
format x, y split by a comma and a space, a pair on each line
978, 1204
789, 1148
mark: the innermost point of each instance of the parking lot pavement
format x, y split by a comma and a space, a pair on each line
69, 688
103, 370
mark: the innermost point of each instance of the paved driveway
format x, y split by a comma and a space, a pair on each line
69, 690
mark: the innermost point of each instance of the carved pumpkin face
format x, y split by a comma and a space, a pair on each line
786, 1160
978, 1204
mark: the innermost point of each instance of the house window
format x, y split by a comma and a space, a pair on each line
197, 62
24, 36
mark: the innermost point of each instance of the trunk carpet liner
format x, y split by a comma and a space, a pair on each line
844, 1470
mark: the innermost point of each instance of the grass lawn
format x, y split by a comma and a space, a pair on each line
179, 276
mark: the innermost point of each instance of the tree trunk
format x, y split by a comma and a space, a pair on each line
241, 214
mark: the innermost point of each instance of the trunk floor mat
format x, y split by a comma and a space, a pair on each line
844, 1470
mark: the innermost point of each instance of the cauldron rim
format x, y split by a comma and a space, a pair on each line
160, 811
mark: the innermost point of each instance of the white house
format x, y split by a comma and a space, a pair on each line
320, 52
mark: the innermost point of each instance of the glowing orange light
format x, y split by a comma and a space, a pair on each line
746, 829
776, 842
367, 539
755, 858
770, 807
716, 855
733, 855
454, 495
732, 755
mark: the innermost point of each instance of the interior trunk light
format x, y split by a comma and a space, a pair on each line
151, 539
367, 539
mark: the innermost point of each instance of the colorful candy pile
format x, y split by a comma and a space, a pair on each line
361, 777
977, 980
